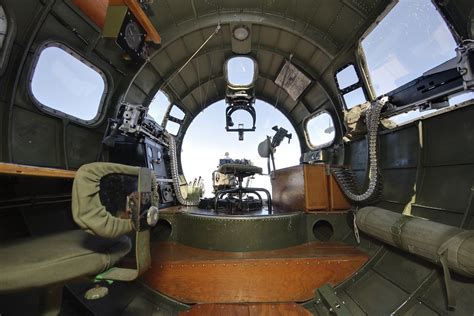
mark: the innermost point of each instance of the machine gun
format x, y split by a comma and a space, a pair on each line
280, 134
135, 139
267, 148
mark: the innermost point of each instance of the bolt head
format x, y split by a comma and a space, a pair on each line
152, 216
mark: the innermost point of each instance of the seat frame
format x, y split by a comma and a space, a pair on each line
241, 191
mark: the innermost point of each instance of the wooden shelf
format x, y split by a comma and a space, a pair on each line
22, 170
96, 10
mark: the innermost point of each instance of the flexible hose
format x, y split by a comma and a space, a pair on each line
175, 173
345, 177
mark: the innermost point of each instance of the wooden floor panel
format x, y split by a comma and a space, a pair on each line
193, 275
247, 310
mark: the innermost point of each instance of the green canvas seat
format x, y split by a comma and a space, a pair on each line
42, 261
239, 170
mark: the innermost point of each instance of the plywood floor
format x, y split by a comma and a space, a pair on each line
193, 275
283, 309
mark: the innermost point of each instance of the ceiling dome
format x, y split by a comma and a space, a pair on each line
314, 36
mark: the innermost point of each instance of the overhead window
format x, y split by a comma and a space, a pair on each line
320, 130
240, 71
65, 84
158, 106
411, 39
177, 113
350, 87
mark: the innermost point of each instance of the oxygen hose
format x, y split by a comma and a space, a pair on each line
345, 177
175, 173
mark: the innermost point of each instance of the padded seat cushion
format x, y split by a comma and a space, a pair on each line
239, 170
40, 261
87, 209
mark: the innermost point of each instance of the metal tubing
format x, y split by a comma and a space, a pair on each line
241, 190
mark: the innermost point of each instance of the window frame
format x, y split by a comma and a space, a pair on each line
307, 136
8, 39
351, 87
173, 105
366, 77
255, 71
170, 118
179, 128
360, 54
58, 113
359, 84
168, 107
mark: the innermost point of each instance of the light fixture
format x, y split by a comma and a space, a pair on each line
241, 32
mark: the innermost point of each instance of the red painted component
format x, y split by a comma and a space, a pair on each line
96, 10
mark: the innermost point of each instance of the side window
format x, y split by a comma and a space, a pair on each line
7, 32
3, 26
320, 130
158, 106
411, 39
353, 98
175, 118
347, 77
415, 114
177, 112
173, 127
350, 86
65, 84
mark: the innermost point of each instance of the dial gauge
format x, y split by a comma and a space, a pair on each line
133, 35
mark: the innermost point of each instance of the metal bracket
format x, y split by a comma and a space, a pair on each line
248, 107
144, 215
465, 67
334, 304
132, 116
142, 256
396, 230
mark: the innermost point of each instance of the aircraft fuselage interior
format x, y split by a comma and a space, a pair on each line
224, 157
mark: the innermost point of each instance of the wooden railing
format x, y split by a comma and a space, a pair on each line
22, 170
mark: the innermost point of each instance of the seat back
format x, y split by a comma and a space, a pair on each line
265, 148
138, 213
